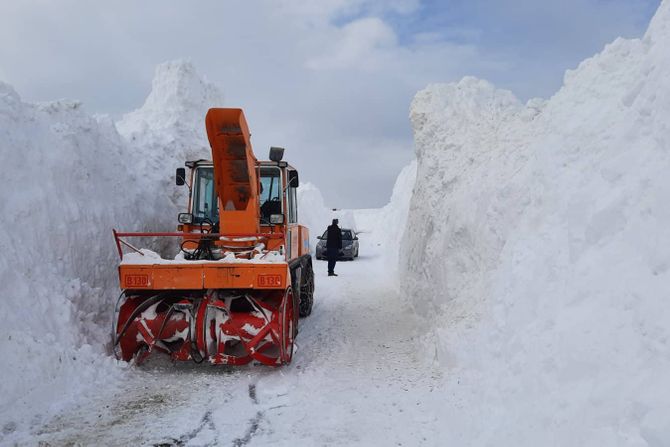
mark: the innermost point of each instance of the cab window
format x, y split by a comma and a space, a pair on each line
292, 204
205, 200
270, 193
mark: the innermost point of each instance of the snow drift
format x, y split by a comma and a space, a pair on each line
537, 244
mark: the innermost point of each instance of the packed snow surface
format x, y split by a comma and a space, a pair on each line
538, 249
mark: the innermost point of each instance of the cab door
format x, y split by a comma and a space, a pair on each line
293, 230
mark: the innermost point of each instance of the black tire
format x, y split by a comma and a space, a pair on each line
306, 290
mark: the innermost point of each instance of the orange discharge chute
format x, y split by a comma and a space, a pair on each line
234, 170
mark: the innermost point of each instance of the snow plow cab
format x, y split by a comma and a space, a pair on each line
243, 274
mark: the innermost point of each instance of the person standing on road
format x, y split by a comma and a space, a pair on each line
333, 246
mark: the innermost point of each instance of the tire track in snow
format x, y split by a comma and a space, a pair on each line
183, 440
253, 423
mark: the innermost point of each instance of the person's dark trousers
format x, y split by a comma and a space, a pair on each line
332, 259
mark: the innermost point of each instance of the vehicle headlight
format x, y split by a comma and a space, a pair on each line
185, 218
276, 219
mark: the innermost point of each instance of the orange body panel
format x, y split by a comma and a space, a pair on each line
198, 276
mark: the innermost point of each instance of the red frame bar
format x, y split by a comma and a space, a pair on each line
118, 236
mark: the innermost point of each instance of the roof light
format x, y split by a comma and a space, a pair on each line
276, 153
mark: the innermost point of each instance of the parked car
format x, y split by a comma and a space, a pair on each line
349, 245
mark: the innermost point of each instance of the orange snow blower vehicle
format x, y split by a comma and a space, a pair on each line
243, 275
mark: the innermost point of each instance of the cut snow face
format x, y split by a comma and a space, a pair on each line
55, 283
537, 244
74, 178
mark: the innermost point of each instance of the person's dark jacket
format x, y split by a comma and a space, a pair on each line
334, 237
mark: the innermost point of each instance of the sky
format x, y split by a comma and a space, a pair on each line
330, 80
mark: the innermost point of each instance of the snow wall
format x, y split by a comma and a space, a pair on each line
381, 230
70, 175
312, 212
69, 179
538, 246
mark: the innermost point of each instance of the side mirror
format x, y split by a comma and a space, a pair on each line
355, 238
293, 179
319, 237
181, 176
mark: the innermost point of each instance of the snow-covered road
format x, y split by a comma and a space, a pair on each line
356, 379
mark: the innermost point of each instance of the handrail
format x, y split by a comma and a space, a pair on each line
119, 241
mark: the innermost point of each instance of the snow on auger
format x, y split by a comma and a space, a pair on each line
243, 275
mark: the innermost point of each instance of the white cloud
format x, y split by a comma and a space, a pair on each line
358, 45
330, 80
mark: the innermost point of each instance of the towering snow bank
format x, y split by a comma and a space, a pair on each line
69, 179
312, 211
469, 143
66, 185
170, 127
538, 240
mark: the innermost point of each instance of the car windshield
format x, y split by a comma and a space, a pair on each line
205, 200
346, 235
